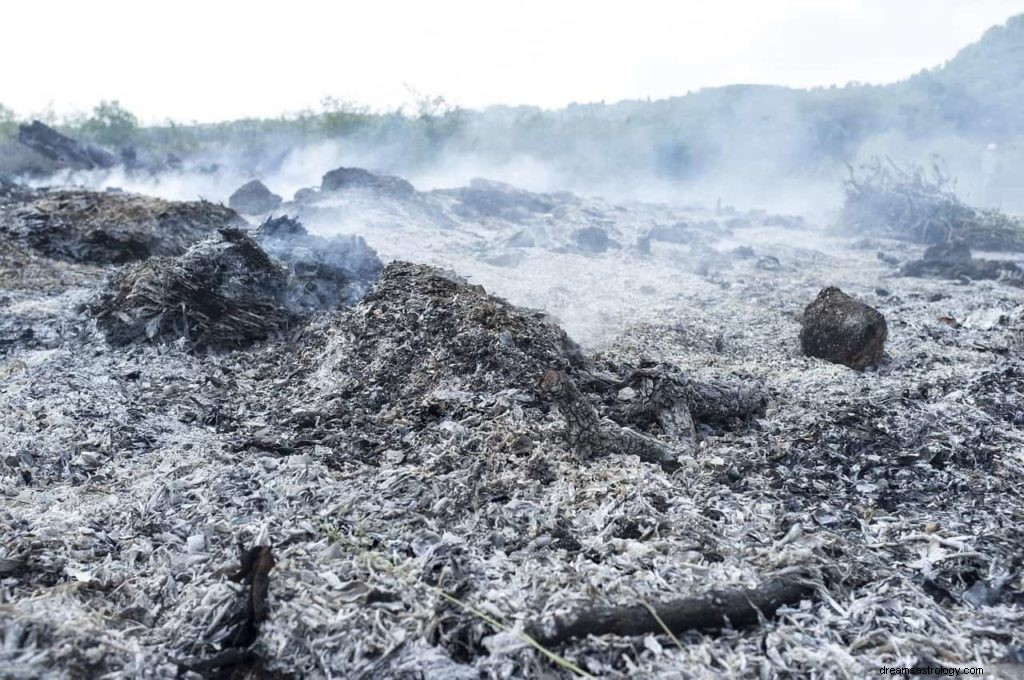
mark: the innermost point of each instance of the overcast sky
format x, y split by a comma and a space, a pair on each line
218, 59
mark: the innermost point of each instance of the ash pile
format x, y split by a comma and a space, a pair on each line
108, 227
408, 485
233, 289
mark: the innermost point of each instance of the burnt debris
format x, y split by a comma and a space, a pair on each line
228, 646
69, 153
921, 206
953, 260
323, 273
423, 330
341, 179
223, 292
843, 330
233, 289
108, 227
254, 198
589, 436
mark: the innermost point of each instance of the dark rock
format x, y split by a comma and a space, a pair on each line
743, 252
68, 152
254, 198
843, 330
341, 179
109, 228
223, 292
323, 273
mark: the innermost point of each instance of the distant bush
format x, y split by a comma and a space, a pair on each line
110, 124
8, 123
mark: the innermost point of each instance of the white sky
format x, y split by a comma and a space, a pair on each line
219, 59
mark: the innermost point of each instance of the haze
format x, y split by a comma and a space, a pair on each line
209, 61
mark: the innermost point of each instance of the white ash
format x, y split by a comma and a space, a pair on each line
147, 465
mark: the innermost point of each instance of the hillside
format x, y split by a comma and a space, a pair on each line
746, 143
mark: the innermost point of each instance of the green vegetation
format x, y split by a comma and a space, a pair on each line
958, 110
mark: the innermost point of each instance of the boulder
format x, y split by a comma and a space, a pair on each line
341, 179
843, 330
254, 198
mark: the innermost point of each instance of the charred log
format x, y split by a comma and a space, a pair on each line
71, 153
713, 611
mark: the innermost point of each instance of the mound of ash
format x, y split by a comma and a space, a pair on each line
254, 198
343, 178
843, 330
223, 292
485, 198
912, 205
108, 227
426, 347
323, 273
424, 339
954, 260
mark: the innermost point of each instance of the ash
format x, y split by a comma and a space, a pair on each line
407, 479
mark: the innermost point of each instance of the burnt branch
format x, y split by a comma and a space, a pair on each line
589, 436
712, 611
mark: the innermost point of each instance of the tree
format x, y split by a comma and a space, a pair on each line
111, 124
8, 122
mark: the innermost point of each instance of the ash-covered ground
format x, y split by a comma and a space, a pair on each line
385, 489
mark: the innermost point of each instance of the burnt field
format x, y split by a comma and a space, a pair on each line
376, 432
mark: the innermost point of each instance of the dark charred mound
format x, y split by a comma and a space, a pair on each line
224, 292
954, 261
485, 198
341, 179
254, 198
843, 330
109, 228
424, 339
323, 273
913, 205
425, 347
68, 152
